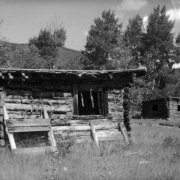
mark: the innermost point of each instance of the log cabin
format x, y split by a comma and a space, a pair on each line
164, 108
75, 102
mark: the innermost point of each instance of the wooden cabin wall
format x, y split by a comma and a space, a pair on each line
174, 109
115, 101
59, 109
161, 113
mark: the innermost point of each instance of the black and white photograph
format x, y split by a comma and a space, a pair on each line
89, 89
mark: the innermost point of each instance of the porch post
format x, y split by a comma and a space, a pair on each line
126, 107
2, 127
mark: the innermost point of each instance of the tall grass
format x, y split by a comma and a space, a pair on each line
154, 154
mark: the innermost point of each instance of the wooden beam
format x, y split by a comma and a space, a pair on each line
28, 129
36, 150
123, 131
27, 122
84, 127
95, 138
50, 133
10, 136
22, 107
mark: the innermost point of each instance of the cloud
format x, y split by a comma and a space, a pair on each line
175, 3
174, 14
86, 33
131, 5
175, 66
145, 22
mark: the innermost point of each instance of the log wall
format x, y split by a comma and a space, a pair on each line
174, 111
60, 111
161, 113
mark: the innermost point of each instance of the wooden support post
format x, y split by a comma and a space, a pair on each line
2, 126
123, 131
126, 106
50, 133
93, 132
10, 136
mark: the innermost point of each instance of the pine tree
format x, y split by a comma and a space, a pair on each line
159, 36
47, 43
105, 48
133, 37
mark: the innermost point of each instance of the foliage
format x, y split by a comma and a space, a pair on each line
133, 37
26, 58
153, 47
47, 43
105, 48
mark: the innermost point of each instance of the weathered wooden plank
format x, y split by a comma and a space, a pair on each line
2, 96
21, 107
28, 129
12, 141
93, 132
27, 101
84, 128
35, 94
75, 100
35, 150
27, 122
123, 131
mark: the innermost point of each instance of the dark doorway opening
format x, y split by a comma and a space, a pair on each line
178, 107
90, 103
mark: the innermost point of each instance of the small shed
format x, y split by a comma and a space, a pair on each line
37, 93
164, 108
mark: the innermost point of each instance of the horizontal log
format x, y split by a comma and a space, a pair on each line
18, 116
83, 128
34, 94
28, 129
35, 150
27, 122
23, 107
67, 133
27, 101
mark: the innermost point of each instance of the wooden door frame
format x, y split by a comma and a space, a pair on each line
77, 88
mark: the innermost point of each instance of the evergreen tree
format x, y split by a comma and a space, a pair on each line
105, 48
47, 43
159, 37
133, 37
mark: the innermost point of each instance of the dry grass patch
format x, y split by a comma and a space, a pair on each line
154, 154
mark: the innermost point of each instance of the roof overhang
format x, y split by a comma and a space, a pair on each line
110, 78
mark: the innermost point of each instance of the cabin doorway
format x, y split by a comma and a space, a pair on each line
90, 102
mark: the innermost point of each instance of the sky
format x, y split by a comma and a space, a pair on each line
23, 19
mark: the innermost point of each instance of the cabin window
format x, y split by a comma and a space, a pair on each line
155, 107
90, 102
178, 107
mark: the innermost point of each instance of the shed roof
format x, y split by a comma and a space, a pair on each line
110, 74
110, 79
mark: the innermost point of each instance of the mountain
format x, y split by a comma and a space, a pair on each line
67, 58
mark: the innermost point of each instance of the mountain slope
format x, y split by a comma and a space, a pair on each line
67, 58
